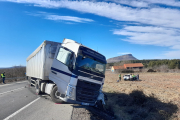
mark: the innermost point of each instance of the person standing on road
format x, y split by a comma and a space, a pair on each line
3, 76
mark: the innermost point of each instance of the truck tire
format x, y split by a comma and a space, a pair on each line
38, 87
54, 95
29, 81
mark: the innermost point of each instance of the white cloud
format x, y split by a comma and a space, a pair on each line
149, 35
154, 16
133, 3
67, 18
176, 47
173, 54
147, 3
163, 22
174, 3
54, 17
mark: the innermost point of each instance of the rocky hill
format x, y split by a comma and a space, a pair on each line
121, 58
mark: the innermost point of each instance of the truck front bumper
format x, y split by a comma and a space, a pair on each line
76, 102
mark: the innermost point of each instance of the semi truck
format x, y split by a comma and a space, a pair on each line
68, 72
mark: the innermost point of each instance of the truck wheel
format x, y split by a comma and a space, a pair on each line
54, 95
29, 81
38, 88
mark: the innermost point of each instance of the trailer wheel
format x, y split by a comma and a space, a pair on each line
38, 88
54, 95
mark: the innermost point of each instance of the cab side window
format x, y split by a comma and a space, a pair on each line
64, 56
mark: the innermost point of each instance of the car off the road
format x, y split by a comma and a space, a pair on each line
128, 77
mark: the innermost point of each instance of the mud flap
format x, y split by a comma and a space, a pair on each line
101, 97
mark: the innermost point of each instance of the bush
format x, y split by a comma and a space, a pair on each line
151, 70
16, 71
138, 106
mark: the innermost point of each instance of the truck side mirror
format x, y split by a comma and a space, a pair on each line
71, 66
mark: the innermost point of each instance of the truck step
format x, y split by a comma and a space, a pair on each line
33, 80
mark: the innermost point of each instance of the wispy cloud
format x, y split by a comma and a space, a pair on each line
147, 3
68, 18
174, 3
166, 17
54, 17
149, 35
162, 27
173, 54
133, 3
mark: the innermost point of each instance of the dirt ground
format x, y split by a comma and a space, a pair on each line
88, 113
156, 96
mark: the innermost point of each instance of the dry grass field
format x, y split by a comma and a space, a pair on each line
155, 97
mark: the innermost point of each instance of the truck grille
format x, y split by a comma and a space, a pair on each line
88, 85
87, 91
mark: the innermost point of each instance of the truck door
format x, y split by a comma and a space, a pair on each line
61, 68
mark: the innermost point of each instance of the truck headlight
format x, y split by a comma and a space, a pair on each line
70, 90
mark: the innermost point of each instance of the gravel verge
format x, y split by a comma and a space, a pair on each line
88, 113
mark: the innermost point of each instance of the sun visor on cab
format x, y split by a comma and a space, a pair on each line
93, 54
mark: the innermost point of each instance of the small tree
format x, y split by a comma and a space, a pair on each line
172, 65
178, 65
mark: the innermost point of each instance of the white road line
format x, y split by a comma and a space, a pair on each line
12, 90
22, 82
12, 115
12, 83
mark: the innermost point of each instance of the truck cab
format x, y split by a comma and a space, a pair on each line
76, 74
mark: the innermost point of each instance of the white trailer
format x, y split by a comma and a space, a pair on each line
67, 71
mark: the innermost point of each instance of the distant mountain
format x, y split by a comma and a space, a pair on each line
121, 58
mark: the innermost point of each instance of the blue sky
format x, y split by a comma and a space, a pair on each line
148, 29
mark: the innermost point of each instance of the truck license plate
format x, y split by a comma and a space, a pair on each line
85, 103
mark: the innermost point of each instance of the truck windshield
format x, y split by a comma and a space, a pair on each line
89, 63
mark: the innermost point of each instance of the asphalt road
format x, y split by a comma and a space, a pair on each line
18, 101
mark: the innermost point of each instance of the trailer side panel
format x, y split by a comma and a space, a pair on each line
35, 64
